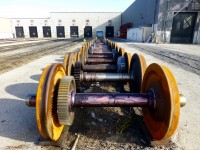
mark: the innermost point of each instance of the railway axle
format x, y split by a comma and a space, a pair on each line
152, 88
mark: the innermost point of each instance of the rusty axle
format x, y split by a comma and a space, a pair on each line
100, 68
100, 61
106, 77
101, 56
111, 100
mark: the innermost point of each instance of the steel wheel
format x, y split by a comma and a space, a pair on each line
163, 120
128, 57
66, 60
71, 62
46, 99
137, 68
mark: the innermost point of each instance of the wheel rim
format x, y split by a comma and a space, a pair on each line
46, 108
137, 68
128, 57
163, 120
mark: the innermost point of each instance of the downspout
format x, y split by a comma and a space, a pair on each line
155, 16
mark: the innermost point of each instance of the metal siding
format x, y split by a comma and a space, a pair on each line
140, 13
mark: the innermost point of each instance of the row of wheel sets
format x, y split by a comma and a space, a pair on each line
153, 88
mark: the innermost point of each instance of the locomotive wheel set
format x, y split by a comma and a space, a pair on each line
153, 88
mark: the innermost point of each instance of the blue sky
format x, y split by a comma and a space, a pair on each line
41, 8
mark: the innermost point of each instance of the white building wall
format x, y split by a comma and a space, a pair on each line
98, 21
5, 28
27, 22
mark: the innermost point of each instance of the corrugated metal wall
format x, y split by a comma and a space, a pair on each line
141, 13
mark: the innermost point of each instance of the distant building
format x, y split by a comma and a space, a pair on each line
68, 24
175, 21
5, 28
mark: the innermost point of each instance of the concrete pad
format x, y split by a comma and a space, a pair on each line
18, 127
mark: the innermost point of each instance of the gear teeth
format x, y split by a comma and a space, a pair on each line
66, 86
77, 73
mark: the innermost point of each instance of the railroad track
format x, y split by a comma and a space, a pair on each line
186, 61
7, 62
10, 48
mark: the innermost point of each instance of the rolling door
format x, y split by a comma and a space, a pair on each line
74, 31
33, 31
109, 31
46, 31
60, 31
88, 31
19, 32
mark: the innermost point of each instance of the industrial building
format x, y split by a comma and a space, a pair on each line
5, 28
68, 24
172, 21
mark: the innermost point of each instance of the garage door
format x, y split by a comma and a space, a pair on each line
110, 31
183, 27
88, 31
19, 32
33, 31
74, 31
60, 31
47, 31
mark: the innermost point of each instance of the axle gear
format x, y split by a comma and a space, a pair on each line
66, 88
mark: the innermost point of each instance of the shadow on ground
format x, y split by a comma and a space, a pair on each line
17, 121
36, 77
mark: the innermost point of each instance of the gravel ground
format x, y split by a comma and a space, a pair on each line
188, 133
96, 126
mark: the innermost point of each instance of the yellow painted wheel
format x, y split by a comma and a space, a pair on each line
78, 59
137, 68
82, 54
46, 99
163, 120
85, 55
66, 60
128, 57
71, 62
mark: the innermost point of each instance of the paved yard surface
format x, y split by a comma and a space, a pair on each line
18, 128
